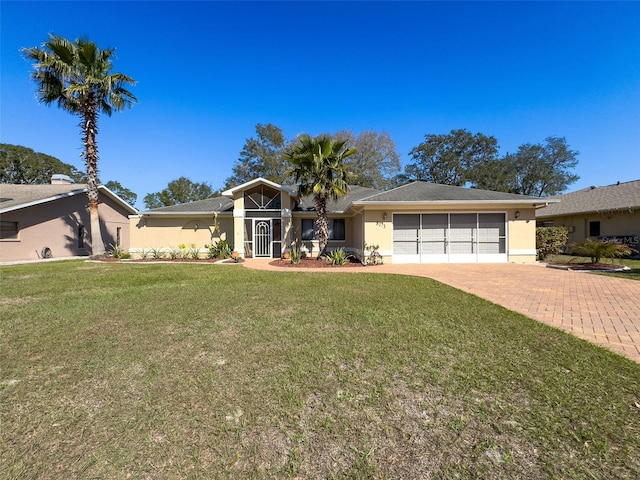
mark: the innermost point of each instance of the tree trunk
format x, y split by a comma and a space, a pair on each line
89, 128
322, 224
97, 245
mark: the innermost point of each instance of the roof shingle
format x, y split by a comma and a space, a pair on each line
209, 205
355, 193
424, 192
16, 196
611, 198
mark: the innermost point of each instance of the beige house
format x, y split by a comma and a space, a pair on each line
416, 223
610, 213
39, 221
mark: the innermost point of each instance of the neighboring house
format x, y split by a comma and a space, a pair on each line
417, 223
53, 220
609, 213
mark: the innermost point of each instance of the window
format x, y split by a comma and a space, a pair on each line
336, 229
8, 230
118, 235
594, 229
81, 231
262, 198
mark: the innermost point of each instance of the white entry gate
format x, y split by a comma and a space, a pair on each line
262, 238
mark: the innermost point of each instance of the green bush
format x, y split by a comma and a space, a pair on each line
550, 240
296, 254
221, 250
338, 257
116, 251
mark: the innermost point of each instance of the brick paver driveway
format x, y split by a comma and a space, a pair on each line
604, 310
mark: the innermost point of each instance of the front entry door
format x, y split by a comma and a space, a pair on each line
262, 238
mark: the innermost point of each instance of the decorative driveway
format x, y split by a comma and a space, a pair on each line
601, 309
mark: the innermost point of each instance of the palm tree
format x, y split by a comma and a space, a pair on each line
318, 168
77, 76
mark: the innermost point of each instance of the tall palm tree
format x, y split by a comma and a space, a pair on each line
317, 164
77, 76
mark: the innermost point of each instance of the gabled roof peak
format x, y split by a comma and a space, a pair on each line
231, 191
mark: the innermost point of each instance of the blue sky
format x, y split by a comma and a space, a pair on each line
208, 72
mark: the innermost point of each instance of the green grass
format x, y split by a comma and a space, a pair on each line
634, 265
216, 371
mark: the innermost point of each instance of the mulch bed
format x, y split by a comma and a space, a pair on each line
165, 260
312, 263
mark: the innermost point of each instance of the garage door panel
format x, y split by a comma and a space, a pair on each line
492, 238
406, 231
449, 237
434, 248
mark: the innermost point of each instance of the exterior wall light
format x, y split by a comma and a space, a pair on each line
517, 214
384, 216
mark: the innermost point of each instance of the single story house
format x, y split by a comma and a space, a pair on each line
415, 223
40, 221
609, 213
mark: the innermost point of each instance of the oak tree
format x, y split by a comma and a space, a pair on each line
181, 190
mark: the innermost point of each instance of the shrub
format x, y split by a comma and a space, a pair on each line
194, 252
296, 254
338, 257
373, 257
116, 251
599, 249
221, 250
550, 240
157, 253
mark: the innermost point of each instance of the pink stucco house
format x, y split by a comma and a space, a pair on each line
53, 220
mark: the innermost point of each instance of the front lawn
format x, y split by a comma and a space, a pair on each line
146, 371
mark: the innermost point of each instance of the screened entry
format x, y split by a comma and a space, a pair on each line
262, 223
263, 237
449, 238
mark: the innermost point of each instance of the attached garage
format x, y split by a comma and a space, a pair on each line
428, 223
449, 237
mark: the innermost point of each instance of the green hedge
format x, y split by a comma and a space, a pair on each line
550, 240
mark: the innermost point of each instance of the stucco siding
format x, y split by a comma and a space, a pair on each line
168, 232
521, 233
56, 225
378, 231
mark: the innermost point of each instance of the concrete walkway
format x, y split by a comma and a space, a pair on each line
604, 310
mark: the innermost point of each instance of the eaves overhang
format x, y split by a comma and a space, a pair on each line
182, 214
424, 203
231, 191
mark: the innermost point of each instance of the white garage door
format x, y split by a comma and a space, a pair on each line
449, 237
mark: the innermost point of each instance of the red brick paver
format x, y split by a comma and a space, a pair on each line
604, 310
